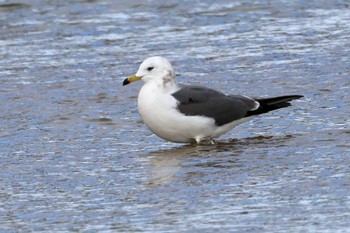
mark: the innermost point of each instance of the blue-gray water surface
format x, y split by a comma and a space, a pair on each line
76, 157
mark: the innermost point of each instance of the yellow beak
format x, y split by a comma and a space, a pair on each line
130, 79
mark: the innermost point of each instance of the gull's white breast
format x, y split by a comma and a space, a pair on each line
158, 109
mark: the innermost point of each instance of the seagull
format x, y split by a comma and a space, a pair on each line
191, 114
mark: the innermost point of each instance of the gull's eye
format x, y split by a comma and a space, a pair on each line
150, 68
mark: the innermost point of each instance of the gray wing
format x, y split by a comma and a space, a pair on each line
202, 101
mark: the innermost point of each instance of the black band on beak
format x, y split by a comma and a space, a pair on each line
126, 82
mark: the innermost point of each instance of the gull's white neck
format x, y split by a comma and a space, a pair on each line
166, 84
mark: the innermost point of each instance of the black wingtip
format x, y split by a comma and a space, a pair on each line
294, 97
270, 104
279, 99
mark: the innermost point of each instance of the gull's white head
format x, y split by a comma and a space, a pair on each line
153, 68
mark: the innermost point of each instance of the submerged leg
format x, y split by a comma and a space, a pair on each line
205, 141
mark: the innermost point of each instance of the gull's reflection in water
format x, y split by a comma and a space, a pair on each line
165, 164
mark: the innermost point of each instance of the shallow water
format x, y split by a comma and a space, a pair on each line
75, 155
